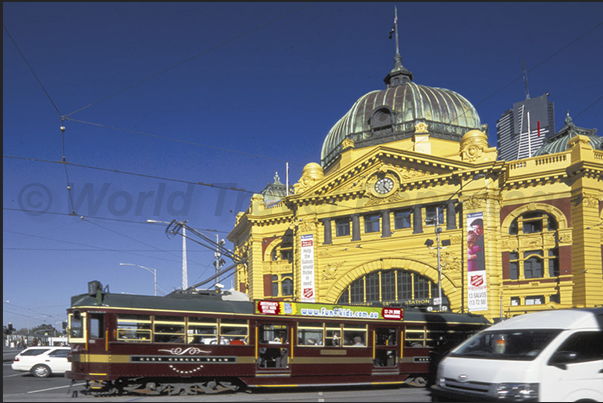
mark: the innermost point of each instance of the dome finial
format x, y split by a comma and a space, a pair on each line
399, 74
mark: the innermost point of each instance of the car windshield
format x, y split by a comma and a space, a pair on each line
522, 345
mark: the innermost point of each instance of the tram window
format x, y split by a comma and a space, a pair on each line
97, 326
354, 335
272, 333
202, 330
76, 328
385, 336
333, 335
415, 336
310, 334
169, 329
135, 328
233, 330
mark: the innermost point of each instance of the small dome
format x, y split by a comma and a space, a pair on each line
474, 135
391, 114
473, 146
313, 170
311, 174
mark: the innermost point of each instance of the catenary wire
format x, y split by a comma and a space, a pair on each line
31, 69
134, 174
181, 141
98, 218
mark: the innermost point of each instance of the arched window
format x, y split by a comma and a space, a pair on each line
534, 263
283, 285
394, 285
533, 222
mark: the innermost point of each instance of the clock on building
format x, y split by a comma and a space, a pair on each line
384, 185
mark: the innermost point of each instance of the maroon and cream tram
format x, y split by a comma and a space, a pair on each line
205, 341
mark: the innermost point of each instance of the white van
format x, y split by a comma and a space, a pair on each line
549, 356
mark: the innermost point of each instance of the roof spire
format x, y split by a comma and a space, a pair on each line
399, 74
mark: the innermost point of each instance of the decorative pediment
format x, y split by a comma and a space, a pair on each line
378, 174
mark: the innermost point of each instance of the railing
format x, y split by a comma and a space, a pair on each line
539, 164
551, 159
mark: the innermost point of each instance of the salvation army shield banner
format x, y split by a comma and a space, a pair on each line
477, 290
307, 268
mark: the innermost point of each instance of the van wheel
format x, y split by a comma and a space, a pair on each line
41, 371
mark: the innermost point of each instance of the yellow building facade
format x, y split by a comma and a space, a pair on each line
393, 215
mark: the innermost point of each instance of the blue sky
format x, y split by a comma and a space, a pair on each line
225, 94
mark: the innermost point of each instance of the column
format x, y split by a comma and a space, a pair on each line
450, 215
355, 227
385, 227
327, 223
417, 220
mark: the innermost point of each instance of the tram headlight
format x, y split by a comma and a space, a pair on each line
517, 391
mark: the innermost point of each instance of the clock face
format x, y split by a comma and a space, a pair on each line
384, 185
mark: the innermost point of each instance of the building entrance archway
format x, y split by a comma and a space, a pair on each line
388, 281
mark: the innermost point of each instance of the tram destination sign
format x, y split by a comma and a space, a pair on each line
265, 307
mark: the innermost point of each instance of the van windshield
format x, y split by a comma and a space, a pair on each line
522, 345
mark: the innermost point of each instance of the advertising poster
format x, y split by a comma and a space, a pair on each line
307, 268
477, 291
266, 307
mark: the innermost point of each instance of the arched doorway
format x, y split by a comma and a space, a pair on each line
391, 286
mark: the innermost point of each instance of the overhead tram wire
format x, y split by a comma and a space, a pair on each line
133, 239
99, 249
134, 174
62, 128
97, 218
535, 67
193, 57
31, 69
181, 141
588, 107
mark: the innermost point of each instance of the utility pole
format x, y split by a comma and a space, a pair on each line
438, 230
219, 261
184, 263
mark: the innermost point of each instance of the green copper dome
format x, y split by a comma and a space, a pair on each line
558, 142
391, 114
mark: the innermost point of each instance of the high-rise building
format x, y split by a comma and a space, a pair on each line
522, 130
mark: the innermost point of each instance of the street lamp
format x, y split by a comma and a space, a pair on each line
445, 242
184, 260
154, 271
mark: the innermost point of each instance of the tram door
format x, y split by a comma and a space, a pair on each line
273, 347
96, 335
385, 349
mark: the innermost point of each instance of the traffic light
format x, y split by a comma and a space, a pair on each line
10, 329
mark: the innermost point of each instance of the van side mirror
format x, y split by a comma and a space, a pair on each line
561, 358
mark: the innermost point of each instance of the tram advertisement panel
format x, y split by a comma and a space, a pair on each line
327, 310
307, 268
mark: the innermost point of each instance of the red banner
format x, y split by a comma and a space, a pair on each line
269, 307
392, 313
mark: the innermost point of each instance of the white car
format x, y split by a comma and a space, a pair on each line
548, 356
42, 361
